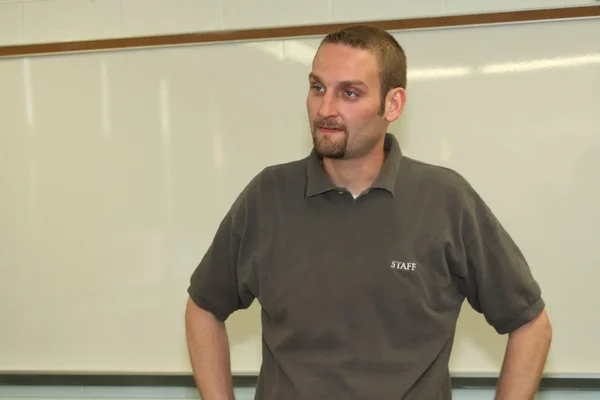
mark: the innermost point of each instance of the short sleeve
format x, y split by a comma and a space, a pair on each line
219, 283
499, 282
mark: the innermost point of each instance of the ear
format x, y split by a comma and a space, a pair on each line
394, 104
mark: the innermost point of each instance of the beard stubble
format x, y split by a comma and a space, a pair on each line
329, 145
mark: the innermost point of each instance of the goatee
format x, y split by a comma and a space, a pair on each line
330, 146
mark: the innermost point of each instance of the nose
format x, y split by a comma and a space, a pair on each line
328, 106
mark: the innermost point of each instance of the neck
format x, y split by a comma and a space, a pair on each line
356, 174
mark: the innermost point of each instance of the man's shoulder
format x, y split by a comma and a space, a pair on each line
445, 184
278, 177
442, 176
286, 169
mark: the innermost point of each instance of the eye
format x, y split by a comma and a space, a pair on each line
350, 93
316, 86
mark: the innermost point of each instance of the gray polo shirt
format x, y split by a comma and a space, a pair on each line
360, 297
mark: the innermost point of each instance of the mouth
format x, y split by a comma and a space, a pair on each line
329, 130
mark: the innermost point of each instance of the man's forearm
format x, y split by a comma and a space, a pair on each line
209, 354
524, 360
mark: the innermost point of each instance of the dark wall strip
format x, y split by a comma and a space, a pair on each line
241, 381
296, 31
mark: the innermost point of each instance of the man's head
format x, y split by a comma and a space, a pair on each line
357, 87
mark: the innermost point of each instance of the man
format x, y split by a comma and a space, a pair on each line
361, 257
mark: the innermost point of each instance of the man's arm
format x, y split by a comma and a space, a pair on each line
524, 360
208, 347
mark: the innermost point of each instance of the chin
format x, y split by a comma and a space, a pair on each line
328, 145
329, 151
335, 156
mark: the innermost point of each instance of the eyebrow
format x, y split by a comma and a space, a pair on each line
356, 82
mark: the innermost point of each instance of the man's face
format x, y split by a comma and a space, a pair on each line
344, 101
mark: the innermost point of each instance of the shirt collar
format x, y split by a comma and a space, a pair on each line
318, 182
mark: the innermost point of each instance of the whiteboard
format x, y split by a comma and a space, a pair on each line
117, 167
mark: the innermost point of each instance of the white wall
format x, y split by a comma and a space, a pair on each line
37, 21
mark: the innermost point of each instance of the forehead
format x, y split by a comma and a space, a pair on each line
338, 62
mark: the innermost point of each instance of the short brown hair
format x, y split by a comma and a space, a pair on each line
388, 52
